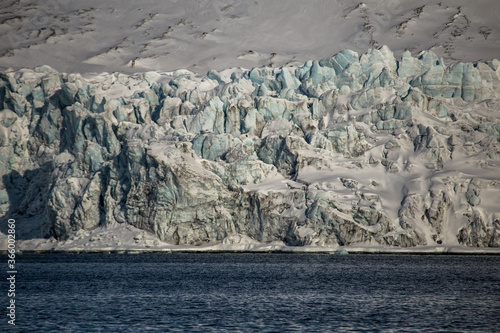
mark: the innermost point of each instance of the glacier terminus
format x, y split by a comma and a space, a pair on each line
357, 149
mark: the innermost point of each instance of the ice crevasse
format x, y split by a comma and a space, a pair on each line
354, 149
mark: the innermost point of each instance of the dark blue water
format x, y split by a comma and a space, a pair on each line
256, 293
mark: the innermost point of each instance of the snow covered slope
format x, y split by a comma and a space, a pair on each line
360, 149
135, 36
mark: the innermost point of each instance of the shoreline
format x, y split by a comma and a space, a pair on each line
442, 250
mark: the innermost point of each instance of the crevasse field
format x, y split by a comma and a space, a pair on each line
256, 126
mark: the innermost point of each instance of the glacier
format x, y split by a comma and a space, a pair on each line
350, 150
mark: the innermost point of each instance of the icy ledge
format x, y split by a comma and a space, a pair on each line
130, 240
357, 152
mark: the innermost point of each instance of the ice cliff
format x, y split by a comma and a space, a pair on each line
354, 149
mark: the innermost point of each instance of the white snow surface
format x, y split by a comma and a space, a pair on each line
199, 35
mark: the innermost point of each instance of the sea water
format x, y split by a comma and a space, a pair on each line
255, 293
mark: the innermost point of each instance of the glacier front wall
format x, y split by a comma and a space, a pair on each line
348, 150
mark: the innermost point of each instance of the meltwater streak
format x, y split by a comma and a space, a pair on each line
257, 293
